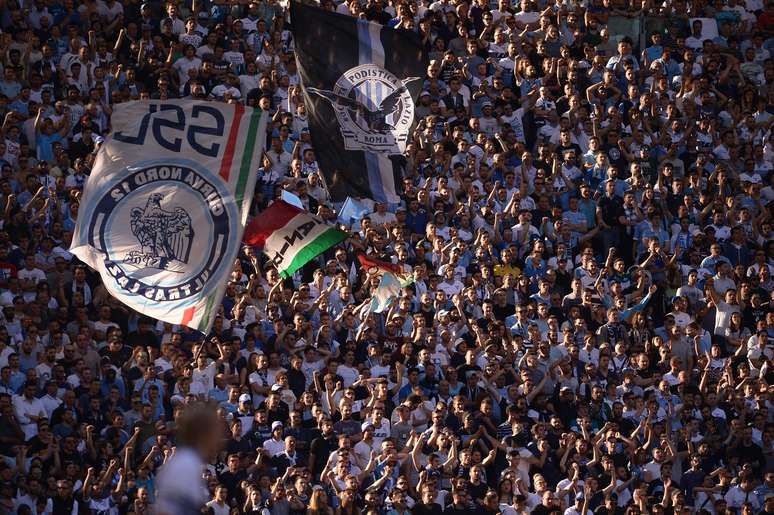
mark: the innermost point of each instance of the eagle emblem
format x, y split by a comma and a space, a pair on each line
374, 109
165, 236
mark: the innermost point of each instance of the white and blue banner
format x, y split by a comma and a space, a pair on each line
359, 89
162, 213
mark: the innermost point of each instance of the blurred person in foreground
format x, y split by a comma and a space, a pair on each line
181, 487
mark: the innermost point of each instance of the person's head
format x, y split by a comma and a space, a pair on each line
221, 493
64, 488
549, 499
195, 425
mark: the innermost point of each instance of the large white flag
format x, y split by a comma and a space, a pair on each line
162, 214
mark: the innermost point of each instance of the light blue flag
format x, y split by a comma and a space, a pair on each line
388, 289
353, 209
292, 199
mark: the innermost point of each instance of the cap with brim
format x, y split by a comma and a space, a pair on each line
244, 398
276, 424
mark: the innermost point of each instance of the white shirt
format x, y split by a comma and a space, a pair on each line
36, 276
380, 433
258, 380
274, 447
178, 25
220, 91
280, 162
363, 452
7, 351
114, 10
587, 356
523, 467
102, 327
50, 404
348, 374
24, 407
736, 497
576, 511
723, 313
205, 377
450, 289
248, 83
219, 509
382, 219
182, 66
31, 501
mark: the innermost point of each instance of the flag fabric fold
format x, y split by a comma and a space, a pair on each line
163, 211
369, 262
377, 266
290, 236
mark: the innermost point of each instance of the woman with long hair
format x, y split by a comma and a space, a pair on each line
736, 333
505, 491
522, 290
640, 332
318, 504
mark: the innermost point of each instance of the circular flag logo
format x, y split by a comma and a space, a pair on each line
165, 230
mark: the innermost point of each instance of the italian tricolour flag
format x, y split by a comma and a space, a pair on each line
290, 236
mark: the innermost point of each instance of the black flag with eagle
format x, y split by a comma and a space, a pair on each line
359, 80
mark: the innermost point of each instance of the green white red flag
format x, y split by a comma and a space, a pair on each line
291, 237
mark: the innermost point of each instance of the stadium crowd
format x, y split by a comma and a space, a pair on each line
586, 216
